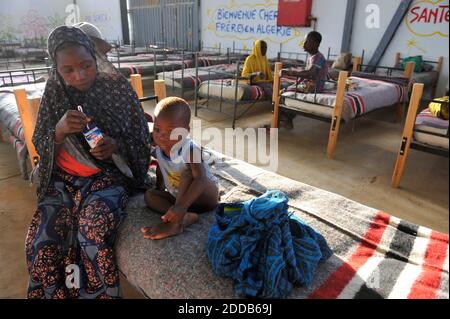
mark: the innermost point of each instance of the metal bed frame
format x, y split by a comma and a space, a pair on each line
166, 52
34, 72
8, 55
182, 89
236, 77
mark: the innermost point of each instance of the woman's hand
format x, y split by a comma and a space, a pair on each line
104, 149
72, 122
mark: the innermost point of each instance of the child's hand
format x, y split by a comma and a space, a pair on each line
174, 214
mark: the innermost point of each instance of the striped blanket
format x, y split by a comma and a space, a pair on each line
212, 60
376, 255
10, 119
19, 78
427, 118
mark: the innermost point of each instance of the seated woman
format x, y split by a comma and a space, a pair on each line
257, 68
82, 193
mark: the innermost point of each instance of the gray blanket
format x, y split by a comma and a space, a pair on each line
375, 255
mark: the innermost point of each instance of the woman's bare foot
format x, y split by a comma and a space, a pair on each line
164, 230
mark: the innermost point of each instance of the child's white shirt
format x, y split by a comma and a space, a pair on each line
172, 167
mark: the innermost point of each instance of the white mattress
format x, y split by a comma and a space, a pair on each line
324, 111
432, 140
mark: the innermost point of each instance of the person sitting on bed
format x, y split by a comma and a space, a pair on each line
315, 75
186, 187
257, 68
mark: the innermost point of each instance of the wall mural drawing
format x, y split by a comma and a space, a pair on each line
249, 22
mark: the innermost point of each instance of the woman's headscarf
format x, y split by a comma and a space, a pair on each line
256, 62
110, 102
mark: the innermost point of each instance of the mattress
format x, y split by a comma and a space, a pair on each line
19, 78
370, 95
226, 90
427, 78
149, 68
10, 119
190, 77
427, 123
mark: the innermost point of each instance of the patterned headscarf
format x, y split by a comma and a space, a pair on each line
112, 104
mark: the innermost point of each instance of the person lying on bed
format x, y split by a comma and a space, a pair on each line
186, 186
257, 68
313, 78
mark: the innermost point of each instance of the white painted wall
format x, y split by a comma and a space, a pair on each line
331, 17
29, 19
105, 14
419, 40
330, 23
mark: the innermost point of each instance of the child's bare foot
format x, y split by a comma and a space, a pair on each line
164, 230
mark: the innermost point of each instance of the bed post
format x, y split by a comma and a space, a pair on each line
136, 83
356, 63
407, 134
409, 70
439, 70
235, 95
28, 114
397, 59
337, 113
160, 89
276, 94
196, 86
408, 74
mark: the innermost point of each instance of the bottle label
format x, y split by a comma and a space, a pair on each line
92, 136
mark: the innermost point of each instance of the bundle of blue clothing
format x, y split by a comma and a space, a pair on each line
263, 248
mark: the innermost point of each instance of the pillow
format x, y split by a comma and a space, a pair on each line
418, 60
343, 61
